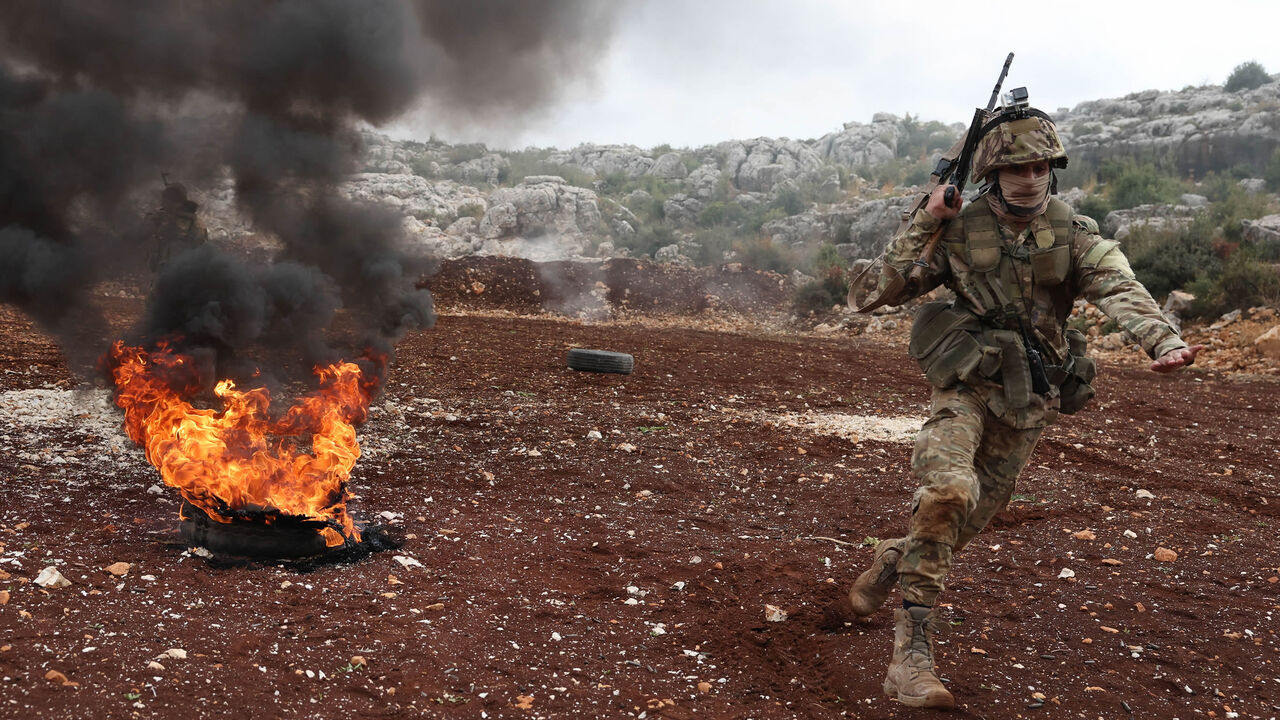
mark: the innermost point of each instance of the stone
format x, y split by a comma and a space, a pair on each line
358, 661
118, 569
51, 578
1178, 303
1268, 343
1164, 554
773, 613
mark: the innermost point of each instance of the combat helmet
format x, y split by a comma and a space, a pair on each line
1017, 134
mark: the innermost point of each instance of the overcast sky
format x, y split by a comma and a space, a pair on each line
695, 72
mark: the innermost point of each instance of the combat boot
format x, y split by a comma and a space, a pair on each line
872, 587
911, 677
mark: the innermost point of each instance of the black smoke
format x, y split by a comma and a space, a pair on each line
95, 103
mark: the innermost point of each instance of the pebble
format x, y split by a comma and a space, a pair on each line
704, 687
118, 569
4, 597
51, 578
1146, 495
55, 676
1164, 554
358, 661
153, 665
773, 613
594, 435
175, 653
1086, 535
1066, 573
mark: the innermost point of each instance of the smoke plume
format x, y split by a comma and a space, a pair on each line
96, 102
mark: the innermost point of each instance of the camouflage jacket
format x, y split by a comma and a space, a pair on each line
1030, 280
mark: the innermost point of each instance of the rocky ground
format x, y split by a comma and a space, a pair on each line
673, 543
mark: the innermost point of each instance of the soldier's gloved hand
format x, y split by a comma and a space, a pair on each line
1175, 359
937, 205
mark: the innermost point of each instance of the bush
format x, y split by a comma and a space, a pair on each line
1095, 206
760, 253
1166, 261
1243, 282
1272, 171
1130, 184
648, 240
1247, 76
710, 245
474, 210
819, 295
462, 153
721, 213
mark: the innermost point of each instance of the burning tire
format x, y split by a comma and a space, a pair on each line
601, 361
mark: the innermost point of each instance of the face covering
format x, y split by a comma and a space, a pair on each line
1021, 198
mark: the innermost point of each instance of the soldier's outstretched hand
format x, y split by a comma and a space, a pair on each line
1175, 359
938, 207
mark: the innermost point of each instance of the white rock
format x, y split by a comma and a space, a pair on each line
154, 666
773, 613
594, 435
1145, 495
51, 578
1066, 573
1130, 534
174, 653
406, 561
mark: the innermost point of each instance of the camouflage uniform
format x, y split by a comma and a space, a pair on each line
980, 435
173, 228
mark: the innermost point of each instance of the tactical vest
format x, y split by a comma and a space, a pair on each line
979, 339
986, 280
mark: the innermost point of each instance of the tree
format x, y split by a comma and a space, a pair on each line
1247, 76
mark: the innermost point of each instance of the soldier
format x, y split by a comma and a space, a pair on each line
174, 227
1000, 359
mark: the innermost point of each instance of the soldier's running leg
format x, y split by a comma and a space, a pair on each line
1001, 457
943, 462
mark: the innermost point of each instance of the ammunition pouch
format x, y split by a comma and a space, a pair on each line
946, 342
1077, 372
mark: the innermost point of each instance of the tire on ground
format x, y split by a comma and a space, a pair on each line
601, 361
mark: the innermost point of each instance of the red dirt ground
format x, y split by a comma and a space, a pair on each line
569, 577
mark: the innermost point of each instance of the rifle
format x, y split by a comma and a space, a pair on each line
952, 170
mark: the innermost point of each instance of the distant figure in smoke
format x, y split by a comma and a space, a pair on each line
174, 227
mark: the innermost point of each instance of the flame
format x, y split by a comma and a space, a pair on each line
241, 460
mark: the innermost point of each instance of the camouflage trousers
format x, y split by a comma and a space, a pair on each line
967, 462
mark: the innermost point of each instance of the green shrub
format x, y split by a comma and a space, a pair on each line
761, 253
648, 240
533, 161
1130, 184
721, 213
462, 153
1243, 282
1272, 172
421, 167
475, 210
1165, 261
831, 288
1095, 206
1247, 76
919, 139
711, 244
